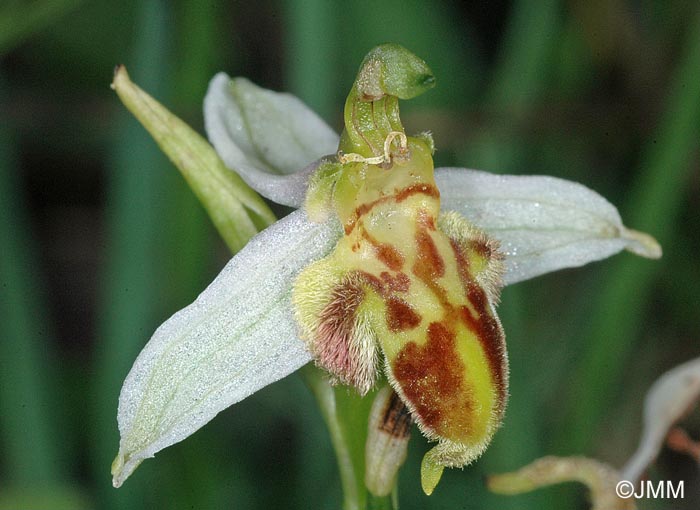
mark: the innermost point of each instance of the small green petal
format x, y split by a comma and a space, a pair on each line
319, 195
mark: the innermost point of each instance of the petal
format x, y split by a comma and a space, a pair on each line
671, 396
237, 337
543, 223
266, 137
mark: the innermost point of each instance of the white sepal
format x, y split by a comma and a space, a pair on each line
543, 223
266, 137
237, 337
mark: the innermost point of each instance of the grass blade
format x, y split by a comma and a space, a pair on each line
30, 433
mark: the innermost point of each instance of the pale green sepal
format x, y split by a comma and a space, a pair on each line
237, 337
233, 207
268, 138
543, 223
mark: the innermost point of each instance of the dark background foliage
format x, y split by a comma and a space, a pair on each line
100, 240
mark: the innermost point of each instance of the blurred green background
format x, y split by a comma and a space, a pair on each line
100, 240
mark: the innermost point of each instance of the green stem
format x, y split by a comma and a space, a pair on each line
346, 415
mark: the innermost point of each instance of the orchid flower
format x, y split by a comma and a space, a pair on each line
388, 273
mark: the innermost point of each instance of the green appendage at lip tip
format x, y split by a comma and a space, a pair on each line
388, 73
430, 474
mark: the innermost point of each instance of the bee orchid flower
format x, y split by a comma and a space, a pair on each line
389, 270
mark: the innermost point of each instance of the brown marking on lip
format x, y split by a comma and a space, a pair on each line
431, 378
398, 196
414, 189
426, 220
386, 283
390, 256
386, 253
429, 263
398, 282
462, 262
372, 281
490, 334
483, 324
400, 315
483, 247
396, 418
